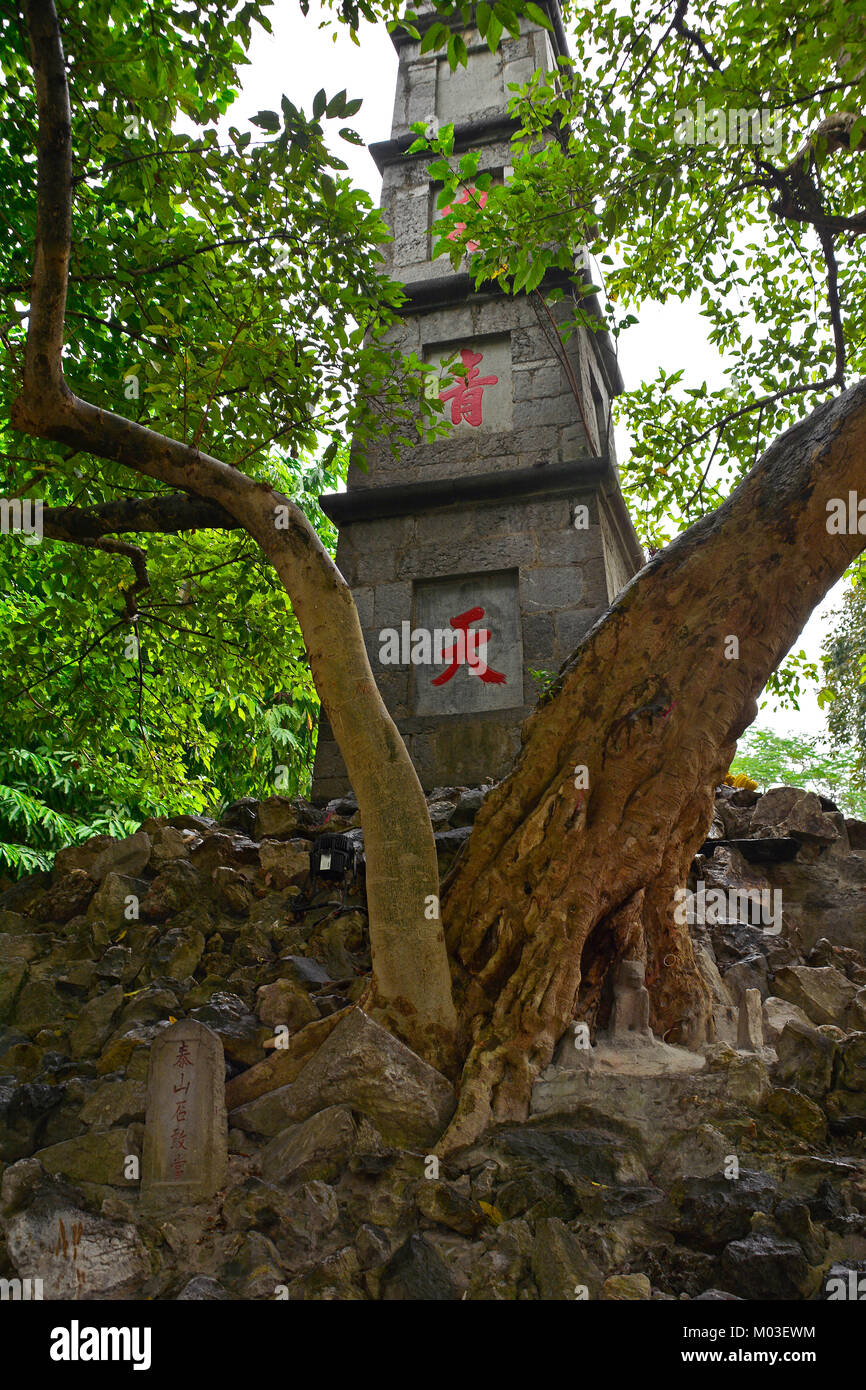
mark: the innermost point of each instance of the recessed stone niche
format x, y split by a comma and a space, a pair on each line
482, 400
473, 603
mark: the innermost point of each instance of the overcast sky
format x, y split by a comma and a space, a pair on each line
299, 58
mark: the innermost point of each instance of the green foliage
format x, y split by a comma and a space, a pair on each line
660, 217
844, 666
801, 761
47, 801
228, 293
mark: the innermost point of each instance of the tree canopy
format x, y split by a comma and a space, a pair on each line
228, 292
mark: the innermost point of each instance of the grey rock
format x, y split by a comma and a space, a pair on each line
805, 1059
822, 992
76, 1254
94, 1022
777, 1012
559, 1264
365, 1067
417, 1272
791, 811
762, 1266
319, 1147
203, 1289
98, 1156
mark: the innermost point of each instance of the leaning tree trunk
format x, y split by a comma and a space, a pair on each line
411, 986
558, 882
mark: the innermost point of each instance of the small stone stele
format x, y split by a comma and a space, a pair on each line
186, 1127
630, 1016
750, 1027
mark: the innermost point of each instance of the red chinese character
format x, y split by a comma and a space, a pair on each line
180, 1111
184, 1056
465, 397
466, 196
470, 649
177, 1138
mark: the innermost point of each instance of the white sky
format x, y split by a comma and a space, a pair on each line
299, 58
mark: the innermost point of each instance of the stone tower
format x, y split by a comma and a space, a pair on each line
475, 534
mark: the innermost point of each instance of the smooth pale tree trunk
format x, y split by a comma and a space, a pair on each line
411, 987
557, 884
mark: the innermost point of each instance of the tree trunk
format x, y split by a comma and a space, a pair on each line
411, 986
558, 883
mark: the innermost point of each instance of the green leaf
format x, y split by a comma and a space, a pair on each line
435, 37
494, 32
533, 12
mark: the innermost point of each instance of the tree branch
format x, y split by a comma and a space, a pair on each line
693, 37
166, 514
42, 366
798, 200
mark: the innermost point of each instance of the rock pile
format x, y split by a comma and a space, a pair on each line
744, 1179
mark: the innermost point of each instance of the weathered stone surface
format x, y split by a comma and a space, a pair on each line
94, 1022
168, 843
713, 1211
448, 1204
104, 855
148, 1005
319, 1147
778, 1012
76, 1254
750, 1033
363, 1066
277, 818
560, 1267
799, 1113
174, 888
748, 973
805, 1059
203, 1289
117, 901
846, 1111
845, 1105
626, 1287
114, 1103
285, 862
24, 1112
233, 889
177, 954
287, 1002
186, 1134
856, 1016
97, 1157
12, 976
856, 833
761, 1266
417, 1272
852, 1063
791, 811
239, 1031
307, 971
38, 1006
696, 1153
823, 993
